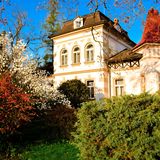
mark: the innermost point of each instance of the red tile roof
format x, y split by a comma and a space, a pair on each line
151, 32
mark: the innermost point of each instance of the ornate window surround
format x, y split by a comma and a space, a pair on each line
76, 55
64, 57
89, 52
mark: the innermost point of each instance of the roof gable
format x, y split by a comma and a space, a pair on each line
88, 21
91, 20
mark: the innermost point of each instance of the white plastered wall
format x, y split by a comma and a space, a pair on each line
149, 70
85, 71
97, 77
131, 78
80, 39
113, 43
150, 66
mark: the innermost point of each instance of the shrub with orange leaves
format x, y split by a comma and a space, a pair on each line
16, 106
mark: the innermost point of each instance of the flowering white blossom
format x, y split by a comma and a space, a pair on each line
24, 69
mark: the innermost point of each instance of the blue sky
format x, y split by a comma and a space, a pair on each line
36, 17
134, 27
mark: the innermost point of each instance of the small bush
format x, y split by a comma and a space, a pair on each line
120, 128
76, 91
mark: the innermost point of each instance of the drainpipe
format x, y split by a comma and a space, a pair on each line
109, 81
53, 55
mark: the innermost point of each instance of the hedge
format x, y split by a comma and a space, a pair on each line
120, 128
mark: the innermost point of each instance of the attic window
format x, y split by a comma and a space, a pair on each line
78, 22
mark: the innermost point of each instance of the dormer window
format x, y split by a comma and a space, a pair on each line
78, 22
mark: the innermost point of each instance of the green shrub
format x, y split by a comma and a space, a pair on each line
56, 123
48, 126
76, 91
120, 128
63, 119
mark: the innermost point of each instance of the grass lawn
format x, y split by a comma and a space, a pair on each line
54, 151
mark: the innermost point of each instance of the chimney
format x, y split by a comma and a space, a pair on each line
116, 25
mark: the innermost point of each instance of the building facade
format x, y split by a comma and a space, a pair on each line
138, 70
97, 51
80, 50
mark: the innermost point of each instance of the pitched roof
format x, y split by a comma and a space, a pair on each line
125, 55
151, 32
91, 20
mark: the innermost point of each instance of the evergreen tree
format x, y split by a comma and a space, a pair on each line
51, 26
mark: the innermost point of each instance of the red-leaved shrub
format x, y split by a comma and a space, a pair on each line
15, 105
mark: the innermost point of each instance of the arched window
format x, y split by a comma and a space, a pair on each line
76, 55
89, 53
64, 57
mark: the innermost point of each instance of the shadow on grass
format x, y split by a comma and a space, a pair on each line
50, 151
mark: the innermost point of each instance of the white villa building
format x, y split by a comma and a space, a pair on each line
97, 51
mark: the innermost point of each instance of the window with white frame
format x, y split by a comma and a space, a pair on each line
78, 22
119, 87
64, 57
89, 53
90, 85
76, 55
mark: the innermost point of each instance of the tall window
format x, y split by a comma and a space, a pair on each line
90, 85
76, 55
89, 53
119, 87
64, 57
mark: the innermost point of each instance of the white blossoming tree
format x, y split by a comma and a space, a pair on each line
23, 69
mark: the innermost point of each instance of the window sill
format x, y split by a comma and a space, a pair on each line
76, 64
89, 62
63, 66
92, 99
77, 27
